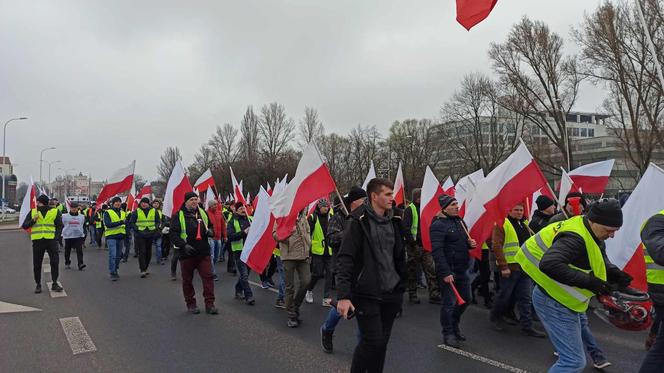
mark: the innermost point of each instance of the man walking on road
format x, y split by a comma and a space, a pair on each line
46, 226
90, 219
144, 222
238, 227
321, 258
189, 232
371, 274
115, 232
73, 233
652, 236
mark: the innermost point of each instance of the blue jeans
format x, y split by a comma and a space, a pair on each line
596, 353
242, 284
156, 242
215, 247
282, 280
114, 253
655, 357
565, 330
332, 320
517, 286
450, 312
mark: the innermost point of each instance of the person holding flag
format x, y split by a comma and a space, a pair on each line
652, 236
45, 224
237, 230
145, 222
115, 232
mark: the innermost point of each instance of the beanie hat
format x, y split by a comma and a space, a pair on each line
323, 203
606, 212
145, 199
444, 200
189, 195
543, 202
356, 193
115, 199
43, 199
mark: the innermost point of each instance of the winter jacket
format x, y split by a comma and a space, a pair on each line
109, 224
335, 230
357, 273
145, 233
449, 246
324, 220
201, 246
29, 222
219, 222
230, 228
298, 245
539, 221
652, 236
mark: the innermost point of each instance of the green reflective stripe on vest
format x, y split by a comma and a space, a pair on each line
144, 222
44, 228
511, 243
120, 229
317, 239
415, 220
531, 252
183, 226
654, 271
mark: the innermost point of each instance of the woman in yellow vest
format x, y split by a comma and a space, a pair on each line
568, 263
45, 224
652, 236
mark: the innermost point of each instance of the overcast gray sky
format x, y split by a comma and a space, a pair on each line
107, 82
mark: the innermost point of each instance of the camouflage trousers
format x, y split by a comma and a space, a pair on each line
418, 257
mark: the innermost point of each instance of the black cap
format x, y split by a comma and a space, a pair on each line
43, 199
115, 199
145, 199
543, 202
444, 200
356, 193
606, 212
189, 195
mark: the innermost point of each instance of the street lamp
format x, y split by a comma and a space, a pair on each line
41, 160
49, 170
4, 143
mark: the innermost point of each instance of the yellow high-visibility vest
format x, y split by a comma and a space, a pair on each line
44, 228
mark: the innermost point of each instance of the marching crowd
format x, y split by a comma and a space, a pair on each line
367, 253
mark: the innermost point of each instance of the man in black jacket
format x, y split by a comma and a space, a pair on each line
371, 274
652, 236
189, 232
450, 246
546, 208
145, 222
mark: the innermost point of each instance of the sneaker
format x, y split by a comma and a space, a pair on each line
326, 340
215, 277
211, 310
56, 287
292, 323
601, 363
143, 274
450, 340
193, 310
38, 289
114, 277
124, 260
280, 304
271, 283
531, 332
327, 302
81, 267
264, 285
67, 266
250, 301
460, 336
309, 297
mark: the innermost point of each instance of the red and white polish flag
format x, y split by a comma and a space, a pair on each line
399, 188
260, 244
178, 185
370, 175
146, 191
120, 182
472, 12
237, 189
465, 189
448, 187
429, 206
29, 203
567, 186
625, 250
204, 181
592, 178
312, 181
517, 178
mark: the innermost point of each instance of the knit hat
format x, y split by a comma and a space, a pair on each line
189, 195
146, 200
444, 200
543, 202
606, 212
115, 199
323, 203
356, 193
43, 199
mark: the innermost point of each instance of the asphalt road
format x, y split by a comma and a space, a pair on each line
140, 325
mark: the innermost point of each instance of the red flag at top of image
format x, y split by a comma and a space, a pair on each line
472, 12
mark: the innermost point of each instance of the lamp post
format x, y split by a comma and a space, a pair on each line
4, 144
49, 170
41, 160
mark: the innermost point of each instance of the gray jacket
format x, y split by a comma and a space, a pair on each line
298, 245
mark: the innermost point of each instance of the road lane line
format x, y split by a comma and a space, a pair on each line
46, 268
55, 294
77, 336
483, 359
259, 285
11, 308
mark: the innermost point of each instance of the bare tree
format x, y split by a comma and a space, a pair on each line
203, 160
310, 127
615, 55
167, 161
537, 81
276, 131
139, 181
249, 135
336, 149
223, 144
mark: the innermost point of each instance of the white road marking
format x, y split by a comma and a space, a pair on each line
259, 285
10, 308
46, 268
55, 294
77, 336
483, 359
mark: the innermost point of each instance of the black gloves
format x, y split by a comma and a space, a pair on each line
599, 286
189, 250
616, 276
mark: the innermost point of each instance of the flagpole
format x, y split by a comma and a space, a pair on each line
651, 46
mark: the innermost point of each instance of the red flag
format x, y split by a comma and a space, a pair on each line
448, 187
312, 181
593, 177
429, 206
132, 203
178, 185
399, 189
120, 182
146, 191
260, 244
237, 189
472, 12
204, 181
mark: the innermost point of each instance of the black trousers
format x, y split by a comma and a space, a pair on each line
374, 320
76, 244
269, 270
321, 268
144, 249
174, 262
230, 263
100, 234
481, 282
166, 246
39, 247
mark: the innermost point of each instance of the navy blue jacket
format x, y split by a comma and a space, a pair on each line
450, 247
